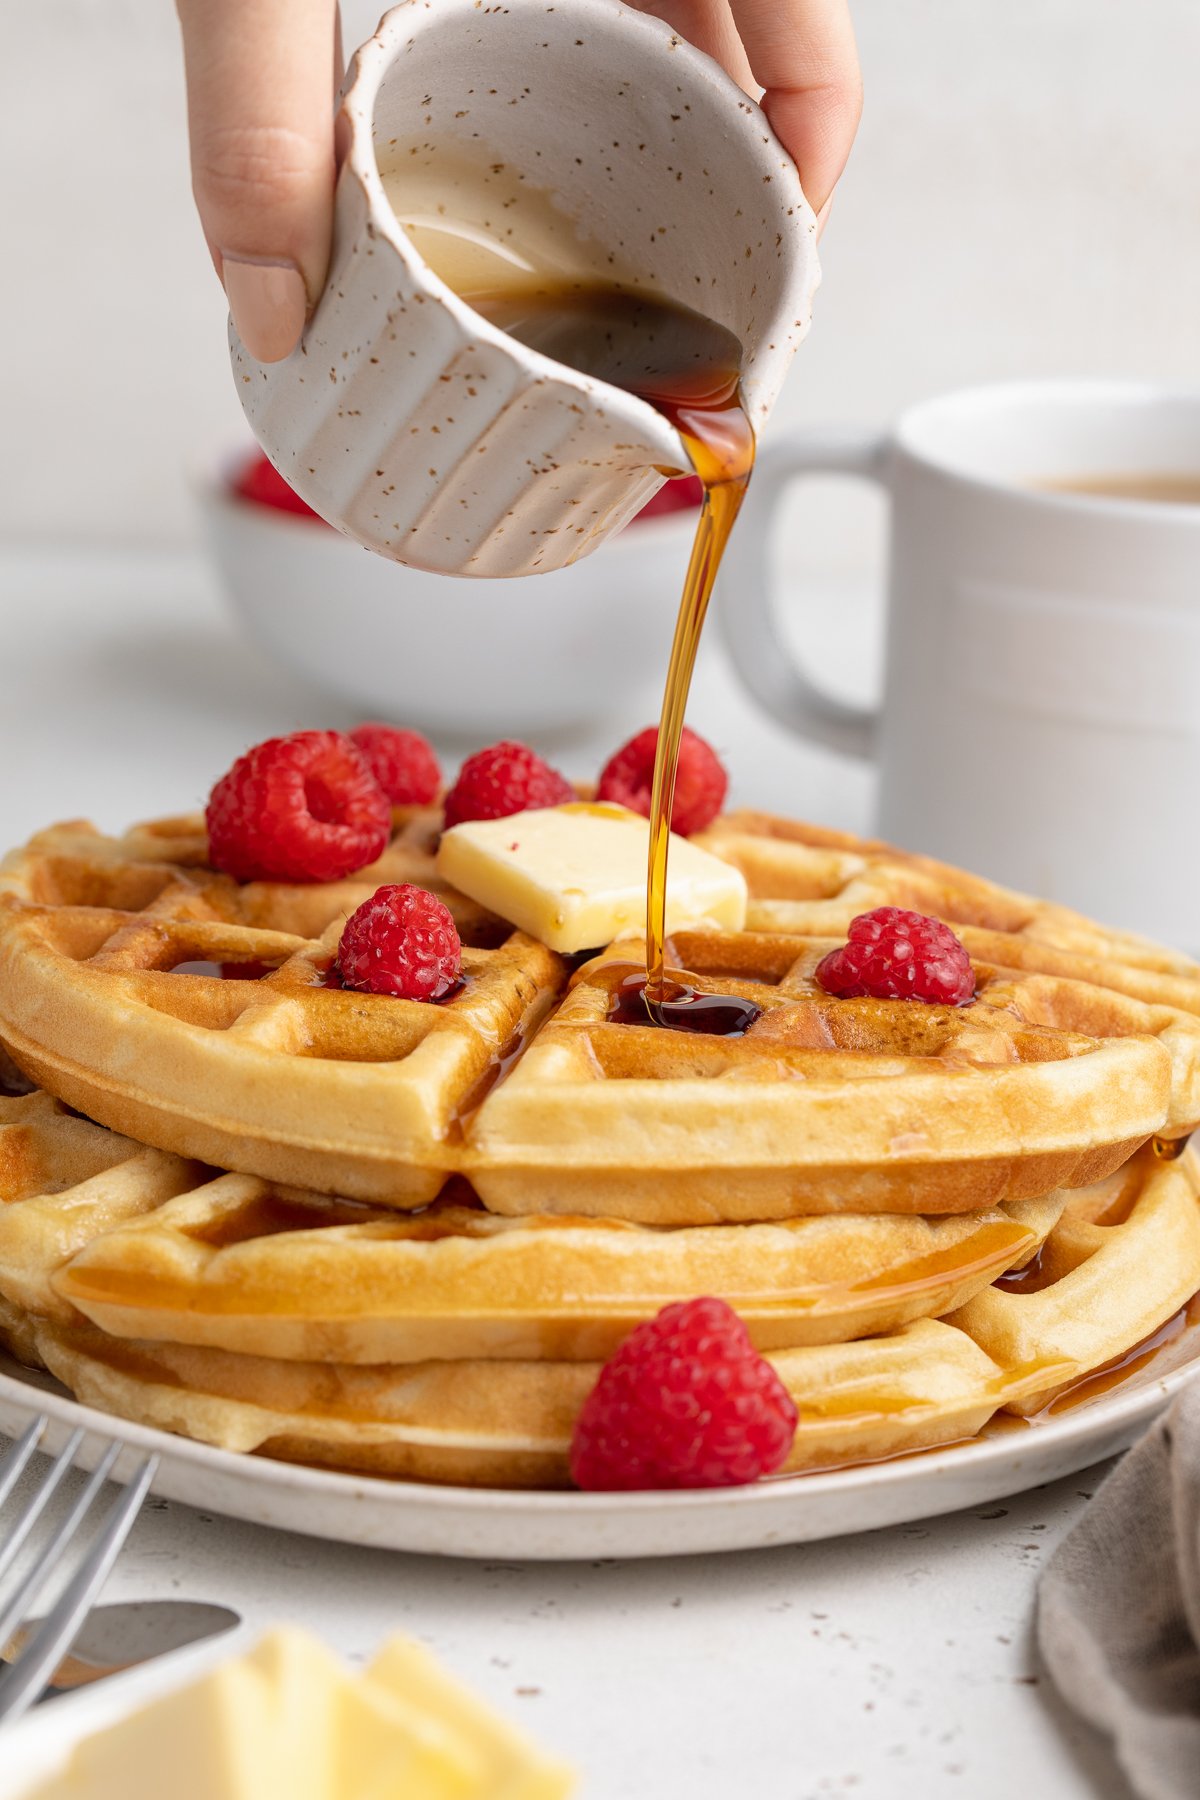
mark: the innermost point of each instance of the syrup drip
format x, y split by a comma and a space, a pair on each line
1112, 1374
1170, 1149
681, 1008
1027, 1279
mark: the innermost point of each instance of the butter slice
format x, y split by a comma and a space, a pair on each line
514, 1767
288, 1721
574, 876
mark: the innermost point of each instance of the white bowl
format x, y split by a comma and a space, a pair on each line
547, 653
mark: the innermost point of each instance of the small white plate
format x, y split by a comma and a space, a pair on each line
1008, 1457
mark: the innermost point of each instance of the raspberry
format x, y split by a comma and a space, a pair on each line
260, 482
403, 942
402, 762
505, 778
700, 783
898, 955
299, 808
684, 494
687, 1401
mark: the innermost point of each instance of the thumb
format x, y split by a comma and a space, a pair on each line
260, 77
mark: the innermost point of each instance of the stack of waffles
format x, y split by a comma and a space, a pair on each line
401, 1238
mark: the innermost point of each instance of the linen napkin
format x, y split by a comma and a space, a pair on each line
1119, 1609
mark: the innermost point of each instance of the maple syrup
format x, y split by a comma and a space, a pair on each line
688, 368
680, 1007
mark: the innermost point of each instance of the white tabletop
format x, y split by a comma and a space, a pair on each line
887, 1665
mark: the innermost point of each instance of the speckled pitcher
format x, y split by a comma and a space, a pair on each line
427, 433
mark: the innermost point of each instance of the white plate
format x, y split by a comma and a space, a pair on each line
1007, 1458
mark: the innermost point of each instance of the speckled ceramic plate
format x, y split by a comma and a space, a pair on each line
1008, 1457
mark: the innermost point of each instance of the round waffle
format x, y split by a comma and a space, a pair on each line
146, 1247
111, 995
509, 1424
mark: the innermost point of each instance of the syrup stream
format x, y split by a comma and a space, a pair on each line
719, 438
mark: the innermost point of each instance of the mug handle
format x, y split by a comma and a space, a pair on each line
762, 659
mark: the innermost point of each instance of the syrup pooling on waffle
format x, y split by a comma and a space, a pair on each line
828, 1105
115, 959
1123, 1258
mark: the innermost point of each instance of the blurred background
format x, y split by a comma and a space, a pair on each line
1021, 201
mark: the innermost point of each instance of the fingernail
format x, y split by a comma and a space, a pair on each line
823, 216
268, 303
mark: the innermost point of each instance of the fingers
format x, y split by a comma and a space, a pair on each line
803, 53
260, 79
708, 24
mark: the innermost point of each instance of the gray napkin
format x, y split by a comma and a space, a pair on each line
1119, 1610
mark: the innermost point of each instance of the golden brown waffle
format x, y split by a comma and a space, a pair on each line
235, 1266
147, 1246
1117, 1269
1123, 1259
805, 879
110, 995
278, 1074
63, 1182
509, 1424
828, 1105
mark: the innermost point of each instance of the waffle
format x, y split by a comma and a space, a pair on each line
147, 1246
803, 878
63, 1182
1123, 1258
823, 1106
828, 1105
509, 1424
1116, 1268
114, 1000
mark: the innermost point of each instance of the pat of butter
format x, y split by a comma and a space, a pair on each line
574, 876
287, 1720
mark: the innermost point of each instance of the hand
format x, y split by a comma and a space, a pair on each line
802, 52
261, 76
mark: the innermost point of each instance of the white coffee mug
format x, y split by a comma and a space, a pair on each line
1040, 714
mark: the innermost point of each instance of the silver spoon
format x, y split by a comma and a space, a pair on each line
115, 1638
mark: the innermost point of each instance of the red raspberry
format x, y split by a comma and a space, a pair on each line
898, 955
699, 785
687, 1401
259, 481
505, 778
684, 494
402, 762
403, 942
299, 808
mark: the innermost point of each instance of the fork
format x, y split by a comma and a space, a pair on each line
26, 1677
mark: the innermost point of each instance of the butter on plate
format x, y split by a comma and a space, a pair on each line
574, 876
287, 1720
